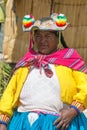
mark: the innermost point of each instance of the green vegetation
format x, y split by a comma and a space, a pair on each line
5, 72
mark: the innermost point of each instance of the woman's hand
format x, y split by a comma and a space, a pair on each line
66, 116
3, 127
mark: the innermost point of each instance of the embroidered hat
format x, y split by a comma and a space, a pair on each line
56, 22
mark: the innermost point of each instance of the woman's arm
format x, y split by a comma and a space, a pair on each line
6, 107
79, 102
10, 97
80, 98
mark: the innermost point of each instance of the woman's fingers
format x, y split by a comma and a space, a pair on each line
57, 121
60, 123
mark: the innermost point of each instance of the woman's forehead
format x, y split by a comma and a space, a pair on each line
44, 32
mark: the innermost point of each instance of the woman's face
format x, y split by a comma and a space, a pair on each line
46, 41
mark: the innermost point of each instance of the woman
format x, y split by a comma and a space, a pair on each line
48, 89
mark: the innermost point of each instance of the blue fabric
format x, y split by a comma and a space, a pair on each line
20, 121
78, 123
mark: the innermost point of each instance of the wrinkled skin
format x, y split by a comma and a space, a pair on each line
66, 116
46, 42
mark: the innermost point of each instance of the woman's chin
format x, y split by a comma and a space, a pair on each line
44, 52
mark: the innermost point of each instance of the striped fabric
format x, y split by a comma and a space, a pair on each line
4, 119
67, 57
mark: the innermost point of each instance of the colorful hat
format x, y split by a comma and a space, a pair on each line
56, 22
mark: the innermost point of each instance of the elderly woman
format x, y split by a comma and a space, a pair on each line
48, 89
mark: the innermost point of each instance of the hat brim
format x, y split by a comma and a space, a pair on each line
55, 28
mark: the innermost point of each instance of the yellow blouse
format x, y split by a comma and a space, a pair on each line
73, 88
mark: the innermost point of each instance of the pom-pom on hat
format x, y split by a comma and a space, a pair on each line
28, 22
56, 22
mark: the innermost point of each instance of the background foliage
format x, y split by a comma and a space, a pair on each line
5, 72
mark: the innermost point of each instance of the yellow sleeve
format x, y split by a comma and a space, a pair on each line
8, 97
9, 100
81, 84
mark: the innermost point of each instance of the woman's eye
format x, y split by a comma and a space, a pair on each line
48, 36
37, 37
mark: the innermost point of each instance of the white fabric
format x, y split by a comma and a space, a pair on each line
85, 112
32, 117
40, 92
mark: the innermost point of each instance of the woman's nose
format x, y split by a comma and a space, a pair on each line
43, 40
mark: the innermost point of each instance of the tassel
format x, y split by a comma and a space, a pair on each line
59, 44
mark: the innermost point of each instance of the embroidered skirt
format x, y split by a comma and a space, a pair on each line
34, 121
